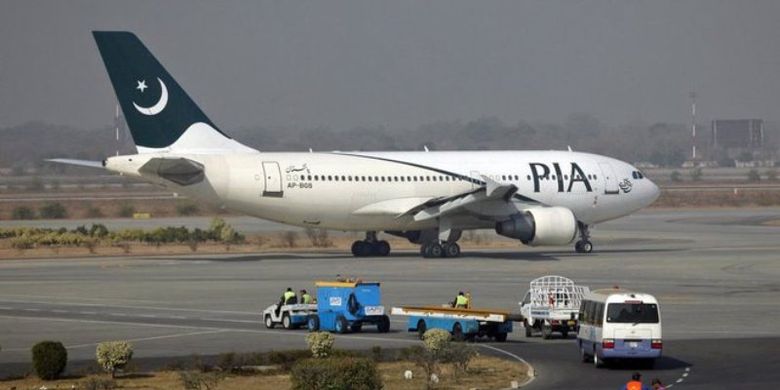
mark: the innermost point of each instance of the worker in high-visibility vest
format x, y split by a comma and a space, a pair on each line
635, 383
461, 301
305, 297
289, 297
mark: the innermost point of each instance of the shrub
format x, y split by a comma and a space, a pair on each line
186, 209
753, 175
696, 174
460, 355
22, 242
196, 380
126, 211
318, 237
320, 343
113, 355
98, 230
437, 340
290, 239
336, 373
771, 175
94, 212
287, 359
99, 384
49, 359
675, 176
53, 210
23, 212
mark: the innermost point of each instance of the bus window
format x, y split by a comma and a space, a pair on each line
599, 320
645, 313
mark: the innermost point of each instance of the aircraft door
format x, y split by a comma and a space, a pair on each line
273, 179
610, 180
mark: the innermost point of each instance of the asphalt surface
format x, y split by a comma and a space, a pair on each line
716, 274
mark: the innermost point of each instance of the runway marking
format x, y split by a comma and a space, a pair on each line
118, 314
680, 379
531, 375
227, 320
135, 307
31, 310
59, 311
6, 308
88, 312
168, 336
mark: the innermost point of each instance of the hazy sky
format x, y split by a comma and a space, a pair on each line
402, 63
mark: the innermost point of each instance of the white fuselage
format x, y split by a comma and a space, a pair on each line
367, 191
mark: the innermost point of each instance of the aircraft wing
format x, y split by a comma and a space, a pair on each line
491, 199
80, 163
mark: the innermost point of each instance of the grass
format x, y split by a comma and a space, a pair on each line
485, 372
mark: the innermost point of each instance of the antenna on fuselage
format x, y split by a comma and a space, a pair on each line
425, 147
569, 147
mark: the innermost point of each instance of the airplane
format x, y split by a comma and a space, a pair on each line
541, 198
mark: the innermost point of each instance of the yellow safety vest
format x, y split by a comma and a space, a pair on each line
306, 298
287, 295
462, 301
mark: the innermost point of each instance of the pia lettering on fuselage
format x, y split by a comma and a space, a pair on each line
541, 171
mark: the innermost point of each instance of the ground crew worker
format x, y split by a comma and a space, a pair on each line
289, 297
635, 383
461, 301
305, 297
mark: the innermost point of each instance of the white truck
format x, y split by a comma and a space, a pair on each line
289, 316
552, 304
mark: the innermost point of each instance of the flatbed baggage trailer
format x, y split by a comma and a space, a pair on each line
462, 323
552, 304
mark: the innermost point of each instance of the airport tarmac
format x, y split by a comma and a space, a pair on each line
715, 272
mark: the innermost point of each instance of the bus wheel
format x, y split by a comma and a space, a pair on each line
584, 355
598, 363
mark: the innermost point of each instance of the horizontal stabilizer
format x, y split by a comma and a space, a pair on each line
80, 163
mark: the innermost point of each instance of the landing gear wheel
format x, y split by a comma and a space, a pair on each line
451, 250
382, 248
421, 329
286, 322
435, 250
269, 323
583, 246
501, 337
358, 248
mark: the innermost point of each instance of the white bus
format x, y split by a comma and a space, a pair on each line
619, 324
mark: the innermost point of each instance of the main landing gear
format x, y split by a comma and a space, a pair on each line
370, 246
435, 249
583, 245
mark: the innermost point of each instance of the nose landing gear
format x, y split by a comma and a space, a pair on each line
583, 245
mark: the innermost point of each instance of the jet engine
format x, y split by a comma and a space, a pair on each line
541, 226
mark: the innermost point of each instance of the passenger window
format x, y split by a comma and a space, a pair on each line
369, 178
594, 177
330, 177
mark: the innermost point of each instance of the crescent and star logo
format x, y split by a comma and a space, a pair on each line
157, 107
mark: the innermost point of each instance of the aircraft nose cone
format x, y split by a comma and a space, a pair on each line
655, 192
